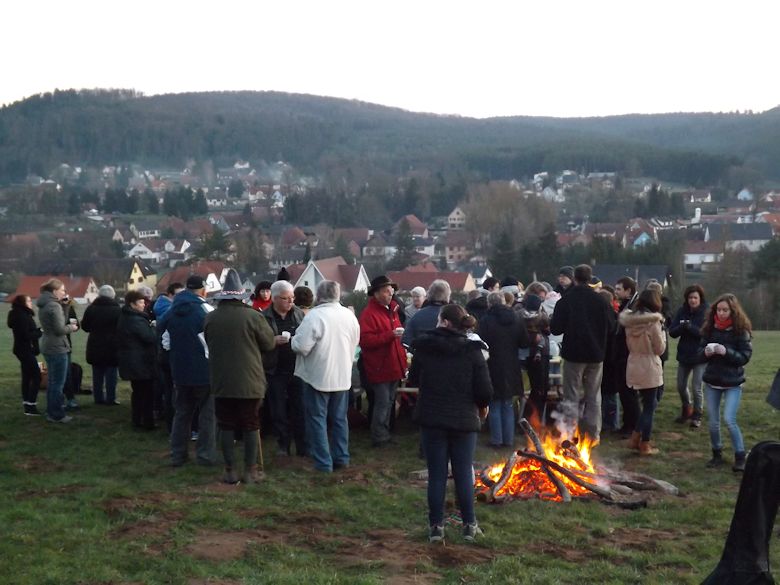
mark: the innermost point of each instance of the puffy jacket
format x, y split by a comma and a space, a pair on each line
421, 322
726, 371
453, 379
26, 333
478, 307
136, 343
504, 332
184, 322
687, 326
646, 342
54, 325
384, 358
582, 316
100, 321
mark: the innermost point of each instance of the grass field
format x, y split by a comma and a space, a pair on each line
94, 502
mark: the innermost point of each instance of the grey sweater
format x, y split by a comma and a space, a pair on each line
54, 325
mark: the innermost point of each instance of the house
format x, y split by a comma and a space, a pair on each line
458, 247
617, 232
640, 233
81, 289
745, 195
145, 229
140, 274
456, 220
772, 219
610, 273
211, 271
148, 250
700, 196
123, 236
751, 236
293, 236
351, 277
478, 270
416, 227
377, 246
408, 279
702, 256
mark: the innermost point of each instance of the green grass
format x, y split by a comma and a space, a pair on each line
95, 503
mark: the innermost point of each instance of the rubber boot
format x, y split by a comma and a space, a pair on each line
739, 462
633, 442
686, 415
717, 459
227, 441
646, 448
252, 472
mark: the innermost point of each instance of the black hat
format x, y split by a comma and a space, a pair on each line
567, 271
508, 281
532, 302
283, 274
379, 282
232, 289
195, 282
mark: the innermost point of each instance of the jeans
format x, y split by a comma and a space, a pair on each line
644, 425
31, 378
285, 399
610, 411
384, 402
187, 399
457, 447
107, 374
731, 398
501, 419
58, 365
323, 410
696, 371
585, 379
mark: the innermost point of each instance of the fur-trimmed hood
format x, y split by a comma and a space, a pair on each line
636, 322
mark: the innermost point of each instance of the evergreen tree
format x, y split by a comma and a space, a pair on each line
503, 258
404, 247
151, 203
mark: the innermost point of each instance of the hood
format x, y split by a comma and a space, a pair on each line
503, 314
636, 323
446, 342
185, 303
46, 298
105, 302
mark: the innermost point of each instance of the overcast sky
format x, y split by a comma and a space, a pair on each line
519, 57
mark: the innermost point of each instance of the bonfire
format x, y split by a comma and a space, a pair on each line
558, 466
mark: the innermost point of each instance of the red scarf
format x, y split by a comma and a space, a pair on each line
722, 325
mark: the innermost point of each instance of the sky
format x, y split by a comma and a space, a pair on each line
522, 57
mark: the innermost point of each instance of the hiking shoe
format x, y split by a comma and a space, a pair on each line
471, 531
72, 404
717, 459
739, 462
31, 410
436, 534
64, 419
194, 436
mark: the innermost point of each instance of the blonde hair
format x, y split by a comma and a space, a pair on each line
51, 285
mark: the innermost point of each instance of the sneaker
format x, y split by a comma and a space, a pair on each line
194, 436
72, 404
471, 531
695, 422
436, 534
31, 410
64, 419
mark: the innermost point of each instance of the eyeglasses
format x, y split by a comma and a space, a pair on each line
288, 299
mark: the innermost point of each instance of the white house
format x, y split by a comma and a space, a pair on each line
456, 220
351, 277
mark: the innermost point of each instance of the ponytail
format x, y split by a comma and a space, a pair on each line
459, 319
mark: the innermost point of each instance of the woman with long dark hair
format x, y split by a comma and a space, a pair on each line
687, 326
21, 320
646, 342
455, 391
726, 348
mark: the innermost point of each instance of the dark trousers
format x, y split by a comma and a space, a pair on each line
142, 403
539, 379
165, 388
69, 389
649, 402
31, 377
285, 401
629, 399
455, 447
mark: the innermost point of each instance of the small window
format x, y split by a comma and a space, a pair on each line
132, 281
140, 279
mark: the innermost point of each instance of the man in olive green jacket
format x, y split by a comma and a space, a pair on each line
236, 335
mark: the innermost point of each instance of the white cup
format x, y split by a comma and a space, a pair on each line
286, 334
73, 321
399, 330
711, 346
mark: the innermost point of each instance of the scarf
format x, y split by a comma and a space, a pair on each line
722, 325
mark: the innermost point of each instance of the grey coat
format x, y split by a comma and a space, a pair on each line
54, 325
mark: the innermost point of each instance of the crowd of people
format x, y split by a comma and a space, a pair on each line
228, 366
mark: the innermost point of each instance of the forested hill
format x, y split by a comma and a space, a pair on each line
106, 127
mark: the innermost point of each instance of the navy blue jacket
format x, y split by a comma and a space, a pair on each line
726, 371
421, 322
687, 326
184, 321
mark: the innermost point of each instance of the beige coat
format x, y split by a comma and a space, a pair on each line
646, 342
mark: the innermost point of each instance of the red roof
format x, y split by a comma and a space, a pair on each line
30, 286
293, 237
182, 273
426, 266
407, 280
703, 248
417, 227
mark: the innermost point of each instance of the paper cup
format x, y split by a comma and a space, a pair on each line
286, 334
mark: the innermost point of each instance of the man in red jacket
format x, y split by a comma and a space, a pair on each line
384, 358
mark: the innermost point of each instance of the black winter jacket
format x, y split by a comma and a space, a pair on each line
477, 307
583, 317
726, 371
136, 343
453, 379
505, 333
26, 332
687, 326
100, 320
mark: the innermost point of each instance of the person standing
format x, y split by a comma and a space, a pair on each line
190, 371
137, 356
418, 298
426, 318
55, 346
626, 293
384, 358
164, 385
100, 321
726, 348
565, 280
285, 390
582, 316
21, 321
455, 391
261, 299
504, 332
645, 372
237, 335
72, 383
687, 325
325, 345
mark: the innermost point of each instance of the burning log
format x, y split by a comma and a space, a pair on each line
505, 475
598, 490
559, 485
